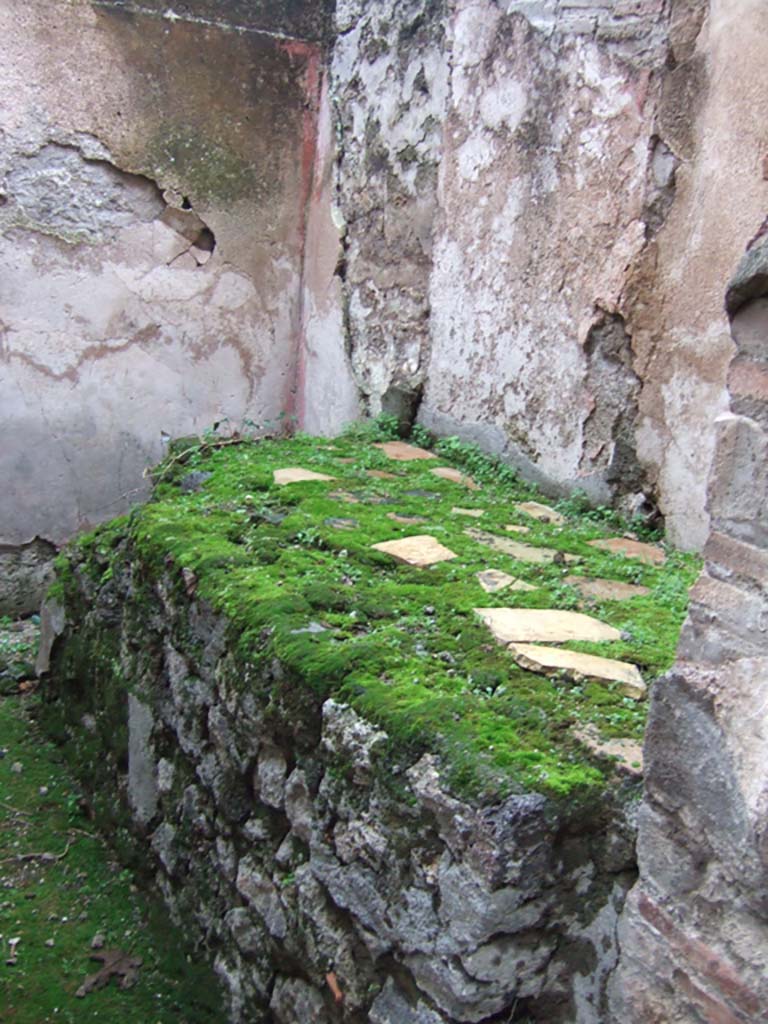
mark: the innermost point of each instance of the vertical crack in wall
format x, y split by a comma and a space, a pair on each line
609, 430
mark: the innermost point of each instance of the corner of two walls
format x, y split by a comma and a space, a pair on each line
155, 168
539, 215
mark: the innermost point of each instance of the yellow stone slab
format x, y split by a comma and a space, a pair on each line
606, 590
531, 625
522, 552
344, 496
448, 473
543, 513
475, 513
296, 475
513, 528
554, 660
421, 550
402, 452
406, 520
648, 553
494, 580
628, 754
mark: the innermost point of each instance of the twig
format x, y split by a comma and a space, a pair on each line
47, 857
14, 810
202, 447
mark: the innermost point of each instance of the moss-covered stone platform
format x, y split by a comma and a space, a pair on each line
340, 777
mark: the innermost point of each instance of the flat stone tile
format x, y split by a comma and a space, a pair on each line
649, 553
296, 475
350, 499
380, 474
514, 528
526, 625
494, 580
448, 473
402, 452
627, 753
554, 660
339, 523
522, 552
406, 520
421, 550
543, 513
346, 462
475, 513
606, 590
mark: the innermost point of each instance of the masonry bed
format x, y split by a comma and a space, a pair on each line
355, 795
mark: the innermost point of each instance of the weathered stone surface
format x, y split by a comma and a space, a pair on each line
391, 1007
380, 474
52, 623
555, 660
544, 513
631, 549
402, 452
521, 552
519, 625
628, 753
147, 317
296, 475
702, 839
422, 550
26, 572
293, 1000
406, 520
277, 832
455, 476
142, 768
494, 580
514, 528
606, 590
474, 513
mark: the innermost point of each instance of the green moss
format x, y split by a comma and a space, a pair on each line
402, 645
55, 907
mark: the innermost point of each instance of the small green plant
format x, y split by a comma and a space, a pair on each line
421, 436
482, 467
384, 427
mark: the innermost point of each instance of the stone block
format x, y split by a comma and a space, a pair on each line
738, 483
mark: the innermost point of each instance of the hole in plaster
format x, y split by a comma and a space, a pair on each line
206, 240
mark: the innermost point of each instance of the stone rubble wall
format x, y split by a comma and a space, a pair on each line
694, 935
288, 838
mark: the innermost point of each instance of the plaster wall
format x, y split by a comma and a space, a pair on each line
155, 169
711, 115
542, 204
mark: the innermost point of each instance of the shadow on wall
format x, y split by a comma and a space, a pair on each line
703, 827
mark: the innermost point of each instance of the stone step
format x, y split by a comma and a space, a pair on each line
456, 477
552, 661
519, 625
543, 513
421, 550
606, 590
494, 580
402, 452
651, 554
522, 552
296, 475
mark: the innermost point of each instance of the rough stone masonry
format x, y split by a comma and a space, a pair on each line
694, 935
